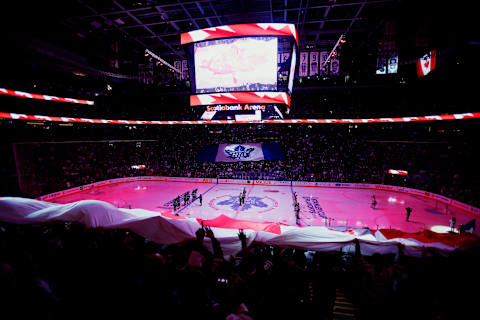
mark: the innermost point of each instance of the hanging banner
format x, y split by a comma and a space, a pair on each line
334, 66
426, 63
381, 65
185, 70
178, 65
241, 152
392, 66
303, 70
313, 64
323, 65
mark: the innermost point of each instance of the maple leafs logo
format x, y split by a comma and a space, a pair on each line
234, 203
238, 151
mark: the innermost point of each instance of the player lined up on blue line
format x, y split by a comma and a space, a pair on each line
187, 196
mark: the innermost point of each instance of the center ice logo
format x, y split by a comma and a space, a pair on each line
251, 202
238, 151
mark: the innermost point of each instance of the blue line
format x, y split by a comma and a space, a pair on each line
197, 198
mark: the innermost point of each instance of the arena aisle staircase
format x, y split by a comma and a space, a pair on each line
343, 309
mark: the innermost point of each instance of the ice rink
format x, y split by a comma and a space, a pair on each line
337, 207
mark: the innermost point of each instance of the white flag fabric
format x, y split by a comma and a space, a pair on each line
166, 228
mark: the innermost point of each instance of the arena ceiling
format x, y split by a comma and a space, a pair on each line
88, 29
157, 24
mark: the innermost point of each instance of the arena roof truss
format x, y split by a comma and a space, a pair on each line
156, 25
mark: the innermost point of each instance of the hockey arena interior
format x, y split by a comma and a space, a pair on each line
239, 159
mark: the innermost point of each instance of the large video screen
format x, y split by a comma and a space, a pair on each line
236, 64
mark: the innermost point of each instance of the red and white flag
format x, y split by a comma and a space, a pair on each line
400, 172
426, 63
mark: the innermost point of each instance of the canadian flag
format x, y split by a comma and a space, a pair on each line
426, 63
400, 172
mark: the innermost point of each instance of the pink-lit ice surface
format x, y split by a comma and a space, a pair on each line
336, 207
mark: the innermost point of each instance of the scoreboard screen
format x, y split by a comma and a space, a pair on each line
241, 64
236, 64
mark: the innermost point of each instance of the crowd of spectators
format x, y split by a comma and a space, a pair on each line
65, 271
438, 158
64, 165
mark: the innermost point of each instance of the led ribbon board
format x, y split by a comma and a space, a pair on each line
21, 94
28, 117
